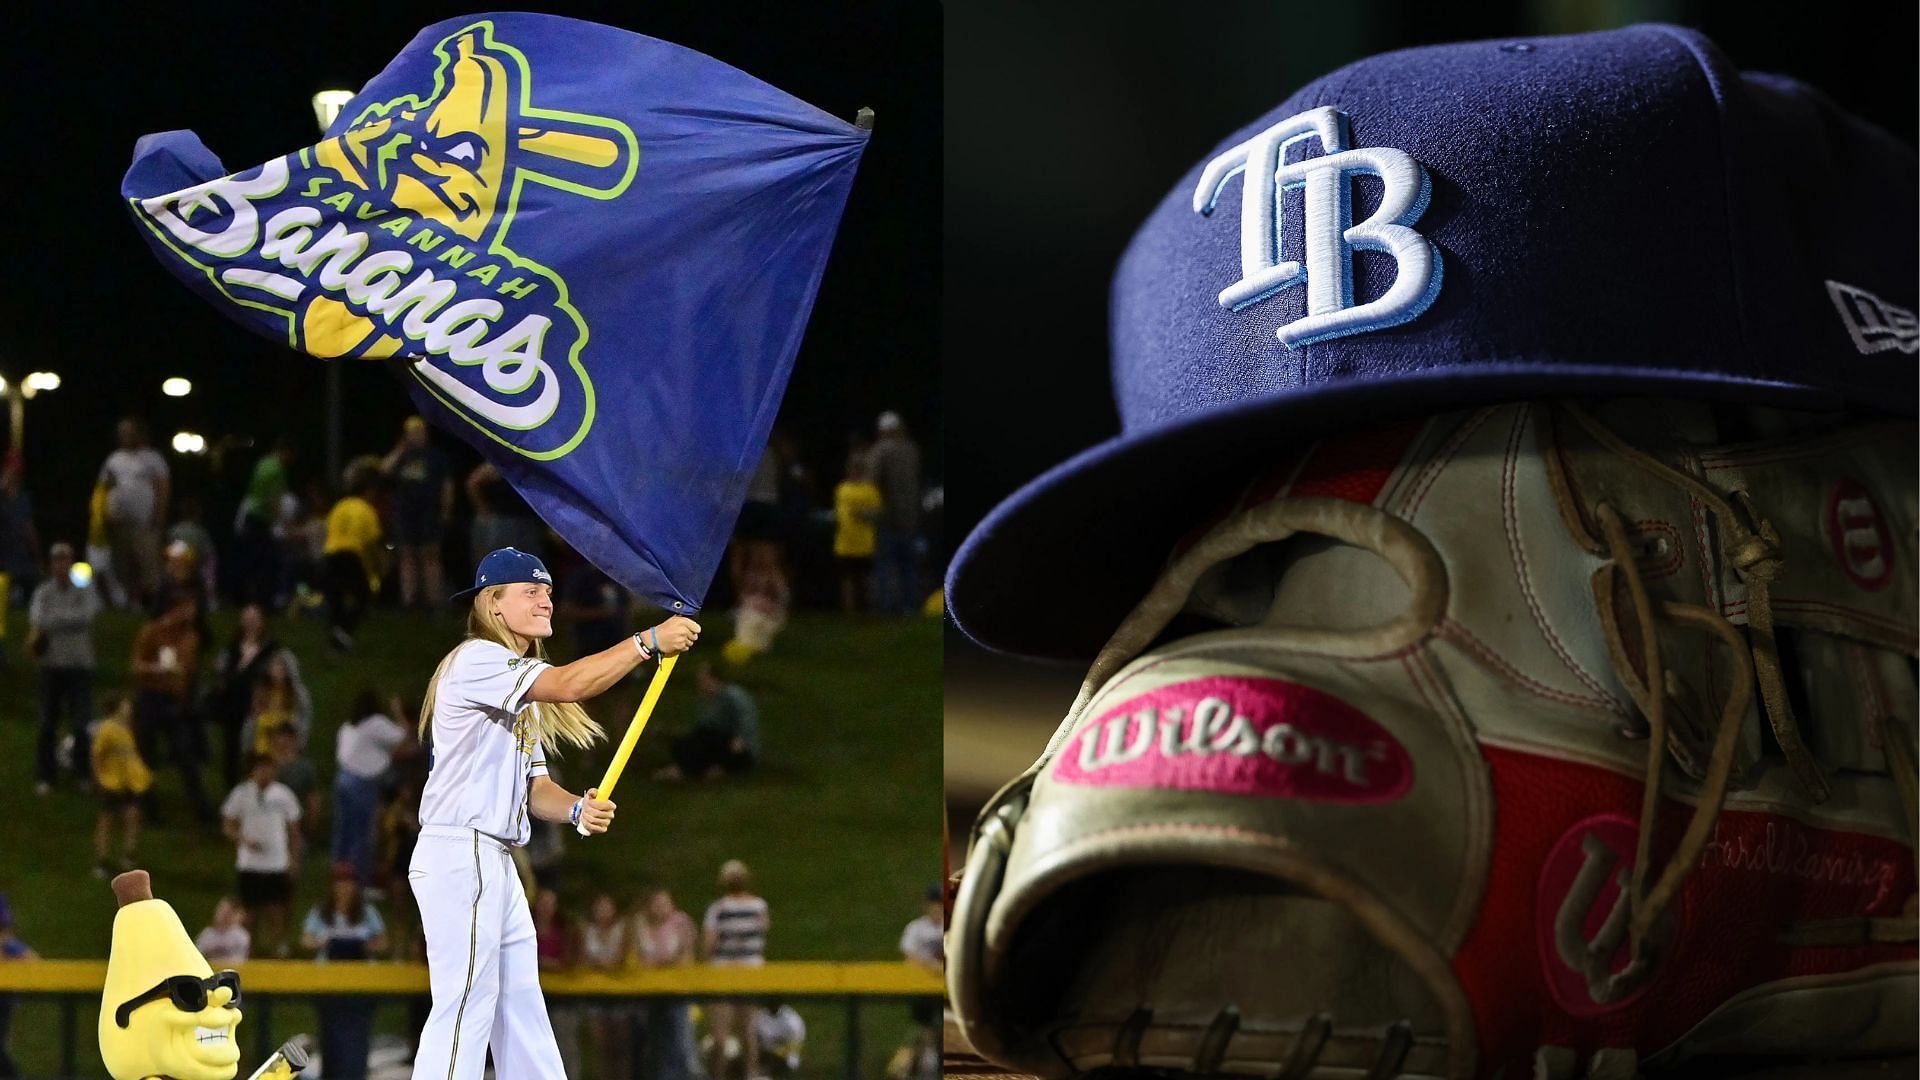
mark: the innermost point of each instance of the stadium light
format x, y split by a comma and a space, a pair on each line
176, 387
327, 105
186, 442
43, 380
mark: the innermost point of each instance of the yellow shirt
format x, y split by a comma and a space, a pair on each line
275, 713
97, 517
855, 506
353, 527
117, 767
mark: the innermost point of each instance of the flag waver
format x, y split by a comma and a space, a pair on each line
593, 253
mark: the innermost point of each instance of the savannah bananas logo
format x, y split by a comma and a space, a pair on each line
422, 191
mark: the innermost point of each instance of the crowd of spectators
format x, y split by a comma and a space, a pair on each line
384, 532
657, 1039
191, 704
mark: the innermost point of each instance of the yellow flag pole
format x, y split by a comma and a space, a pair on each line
632, 737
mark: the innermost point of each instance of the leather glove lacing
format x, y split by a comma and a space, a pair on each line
1752, 547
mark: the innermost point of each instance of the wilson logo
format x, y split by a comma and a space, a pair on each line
1859, 536
1240, 736
1581, 923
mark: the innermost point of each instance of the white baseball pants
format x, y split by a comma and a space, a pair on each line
483, 963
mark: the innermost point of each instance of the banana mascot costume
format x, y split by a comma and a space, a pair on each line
165, 1014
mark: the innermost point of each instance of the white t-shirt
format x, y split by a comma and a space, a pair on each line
484, 753
263, 816
135, 475
365, 749
224, 948
923, 940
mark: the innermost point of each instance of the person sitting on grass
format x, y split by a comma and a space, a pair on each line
120, 779
227, 941
725, 738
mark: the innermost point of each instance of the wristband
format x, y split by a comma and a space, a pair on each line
573, 815
654, 633
640, 642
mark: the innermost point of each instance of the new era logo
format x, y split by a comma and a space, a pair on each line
1874, 324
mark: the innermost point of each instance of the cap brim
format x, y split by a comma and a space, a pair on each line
1052, 571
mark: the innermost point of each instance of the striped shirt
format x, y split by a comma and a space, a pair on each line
739, 928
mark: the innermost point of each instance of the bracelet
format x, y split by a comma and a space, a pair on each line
639, 642
573, 815
654, 633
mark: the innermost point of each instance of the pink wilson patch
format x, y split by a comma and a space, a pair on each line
1240, 736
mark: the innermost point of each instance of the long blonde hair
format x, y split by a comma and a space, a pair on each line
553, 722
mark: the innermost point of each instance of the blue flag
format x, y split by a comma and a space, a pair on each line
592, 254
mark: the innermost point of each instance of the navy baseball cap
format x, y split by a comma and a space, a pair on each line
1617, 214
506, 566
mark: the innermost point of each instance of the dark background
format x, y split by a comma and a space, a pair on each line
1069, 120
84, 298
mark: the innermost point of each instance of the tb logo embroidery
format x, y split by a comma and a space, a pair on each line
1331, 236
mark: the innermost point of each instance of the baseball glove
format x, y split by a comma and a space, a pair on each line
1534, 740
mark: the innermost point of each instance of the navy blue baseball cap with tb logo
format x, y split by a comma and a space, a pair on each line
1620, 214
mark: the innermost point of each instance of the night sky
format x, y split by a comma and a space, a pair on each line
84, 297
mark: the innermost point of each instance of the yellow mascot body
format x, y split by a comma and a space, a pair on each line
165, 1013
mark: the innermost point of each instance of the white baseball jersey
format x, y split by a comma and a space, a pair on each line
484, 752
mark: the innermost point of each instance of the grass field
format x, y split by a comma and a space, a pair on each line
840, 824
